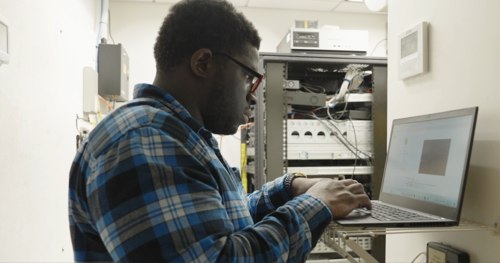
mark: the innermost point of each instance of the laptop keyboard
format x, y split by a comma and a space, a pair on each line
388, 213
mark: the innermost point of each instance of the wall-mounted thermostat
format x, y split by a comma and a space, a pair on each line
413, 51
4, 41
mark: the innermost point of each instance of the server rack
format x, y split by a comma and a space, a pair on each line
267, 146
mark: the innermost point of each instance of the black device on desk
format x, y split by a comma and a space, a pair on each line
440, 253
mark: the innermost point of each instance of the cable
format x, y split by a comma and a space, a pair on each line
345, 108
98, 115
338, 137
97, 42
246, 125
355, 147
355, 142
109, 26
109, 106
341, 115
349, 76
308, 87
334, 99
377, 45
368, 158
304, 112
78, 118
421, 253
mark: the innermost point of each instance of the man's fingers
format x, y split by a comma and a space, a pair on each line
349, 182
356, 188
364, 201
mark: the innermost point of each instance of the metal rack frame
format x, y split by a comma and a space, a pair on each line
345, 237
270, 159
269, 112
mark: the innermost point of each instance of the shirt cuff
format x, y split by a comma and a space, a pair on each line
274, 193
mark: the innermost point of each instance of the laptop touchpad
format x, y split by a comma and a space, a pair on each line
358, 213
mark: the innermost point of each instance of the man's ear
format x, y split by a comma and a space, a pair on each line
202, 62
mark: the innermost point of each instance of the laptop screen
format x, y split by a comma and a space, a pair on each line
427, 159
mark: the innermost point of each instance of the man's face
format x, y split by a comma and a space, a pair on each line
228, 103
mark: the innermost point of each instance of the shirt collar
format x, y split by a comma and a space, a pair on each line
144, 90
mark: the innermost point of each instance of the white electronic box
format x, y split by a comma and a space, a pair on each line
324, 41
4, 41
413, 51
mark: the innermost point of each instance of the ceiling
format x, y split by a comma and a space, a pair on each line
341, 6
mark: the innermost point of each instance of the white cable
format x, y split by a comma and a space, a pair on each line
349, 76
306, 88
356, 143
332, 120
341, 139
421, 253
377, 45
310, 88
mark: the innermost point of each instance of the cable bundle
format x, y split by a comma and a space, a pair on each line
349, 76
312, 88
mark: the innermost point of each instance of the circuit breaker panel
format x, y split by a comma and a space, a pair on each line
321, 115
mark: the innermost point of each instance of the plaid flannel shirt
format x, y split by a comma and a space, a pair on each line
150, 185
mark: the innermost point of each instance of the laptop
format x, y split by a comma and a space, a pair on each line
425, 172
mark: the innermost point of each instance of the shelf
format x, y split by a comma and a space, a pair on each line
342, 239
331, 170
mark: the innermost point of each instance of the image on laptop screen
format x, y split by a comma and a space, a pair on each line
426, 160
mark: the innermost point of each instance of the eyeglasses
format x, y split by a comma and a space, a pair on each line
256, 78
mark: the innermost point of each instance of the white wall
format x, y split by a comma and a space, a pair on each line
136, 25
40, 95
464, 58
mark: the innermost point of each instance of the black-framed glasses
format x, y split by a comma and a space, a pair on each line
256, 77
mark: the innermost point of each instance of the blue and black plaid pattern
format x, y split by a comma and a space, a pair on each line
150, 185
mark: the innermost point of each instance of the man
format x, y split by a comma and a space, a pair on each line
150, 184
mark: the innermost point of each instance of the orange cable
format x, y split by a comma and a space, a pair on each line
306, 113
244, 126
105, 102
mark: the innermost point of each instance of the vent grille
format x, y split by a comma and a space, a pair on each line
429, 224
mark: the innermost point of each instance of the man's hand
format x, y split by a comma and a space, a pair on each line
301, 185
341, 197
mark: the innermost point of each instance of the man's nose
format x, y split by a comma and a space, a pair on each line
251, 98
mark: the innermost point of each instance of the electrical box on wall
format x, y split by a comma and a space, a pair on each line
4, 41
113, 69
413, 51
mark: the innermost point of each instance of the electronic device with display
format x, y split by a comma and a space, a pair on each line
4, 41
441, 253
425, 172
413, 51
324, 41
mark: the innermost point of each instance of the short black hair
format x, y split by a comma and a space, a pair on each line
194, 24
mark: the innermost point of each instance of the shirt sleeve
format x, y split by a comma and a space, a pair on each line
271, 196
152, 200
